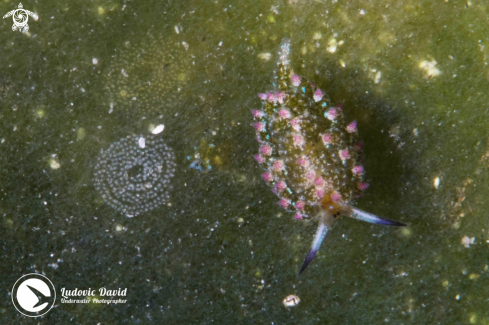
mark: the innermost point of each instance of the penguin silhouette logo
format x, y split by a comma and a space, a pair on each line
33, 295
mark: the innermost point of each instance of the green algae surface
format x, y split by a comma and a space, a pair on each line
413, 73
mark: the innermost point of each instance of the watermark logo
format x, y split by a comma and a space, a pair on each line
33, 295
20, 17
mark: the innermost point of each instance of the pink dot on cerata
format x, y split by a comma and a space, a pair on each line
271, 98
344, 154
295, 123
268, 176
327, 138
284, 203
260, 159
257, 113
281, 97
298, 140
266, 150
319, 192
300, 205
303, 161
319, 181
296, 80
278, 165
332, 114
310, 175
336, 196
352, 127
363, 186
284, 113
357, 170
280, 186
259, 126
298, 216
318, 95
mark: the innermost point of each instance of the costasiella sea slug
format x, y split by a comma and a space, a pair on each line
311, 156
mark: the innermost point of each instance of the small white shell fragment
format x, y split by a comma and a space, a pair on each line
466, 241
377, 77
185, 45
291, 301
142, 142
430, 68
436, 182
332, 45
158, 129
94, 61
54, 164
265, 56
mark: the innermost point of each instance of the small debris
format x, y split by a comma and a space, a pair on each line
265, 56
436, 182
291, 301
430, 68
54, 164
332, 45
158, 129
142, 142
466, 241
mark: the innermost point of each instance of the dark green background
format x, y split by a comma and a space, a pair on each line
196, 261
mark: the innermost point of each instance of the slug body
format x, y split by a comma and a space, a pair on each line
311, 157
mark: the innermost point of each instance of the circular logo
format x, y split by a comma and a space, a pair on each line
33, 295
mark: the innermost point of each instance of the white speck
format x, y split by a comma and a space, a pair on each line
111, 107
332, 45
457, 297
430, 68
158, 129
342, 63
436, 182
124, 73
54, 164
35, 16
53, 265
142, 142
361, 12
466, 241
220, 43
415, 132
185, 45
377, 77
95, 61
265, 56
291, 301
176, 30
317, 36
